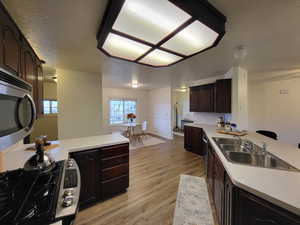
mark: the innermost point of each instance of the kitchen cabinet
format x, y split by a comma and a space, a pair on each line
218, 186
234, 206
193, 140
18, 58
104, 173
214, 97
202, 98
223, 96
251, 210
115, 170
89, 166
10, 44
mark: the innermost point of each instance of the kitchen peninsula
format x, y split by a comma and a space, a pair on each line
103, 162
251, 195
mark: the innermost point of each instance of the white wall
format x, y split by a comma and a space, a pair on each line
271, 110
160, 112
141, 96
80, 104
240, 97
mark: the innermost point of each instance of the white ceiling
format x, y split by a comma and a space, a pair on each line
63, 33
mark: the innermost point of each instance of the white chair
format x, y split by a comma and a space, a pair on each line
144, 129
137, 134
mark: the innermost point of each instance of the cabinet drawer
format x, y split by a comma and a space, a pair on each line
115, 186
115, 171
114, 161
115, 150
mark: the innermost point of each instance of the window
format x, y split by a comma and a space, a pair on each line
119, 108
50, 107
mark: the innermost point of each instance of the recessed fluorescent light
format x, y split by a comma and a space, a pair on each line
160, 58
149, 20
123, 47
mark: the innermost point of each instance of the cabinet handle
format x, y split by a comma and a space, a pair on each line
266, 222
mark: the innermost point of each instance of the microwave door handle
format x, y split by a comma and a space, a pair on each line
34, 114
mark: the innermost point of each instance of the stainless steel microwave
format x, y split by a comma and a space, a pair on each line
17, 110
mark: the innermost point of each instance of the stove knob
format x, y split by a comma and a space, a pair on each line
68, 201
68, 193
70, 163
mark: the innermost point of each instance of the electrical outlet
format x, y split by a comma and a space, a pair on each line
284, 92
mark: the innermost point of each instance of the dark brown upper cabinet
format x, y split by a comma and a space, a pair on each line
18, 58
223, 96
202, 98
214, 97
10, 45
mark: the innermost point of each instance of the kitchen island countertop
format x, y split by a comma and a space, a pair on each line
277, 186
16, 157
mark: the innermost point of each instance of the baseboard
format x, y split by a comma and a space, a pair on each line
160, 136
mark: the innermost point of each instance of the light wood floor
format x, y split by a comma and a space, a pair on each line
151, 196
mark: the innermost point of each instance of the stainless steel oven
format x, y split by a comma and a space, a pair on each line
17, 110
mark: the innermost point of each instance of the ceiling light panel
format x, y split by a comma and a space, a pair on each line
160, 58
192, 39
125, 48
149, 20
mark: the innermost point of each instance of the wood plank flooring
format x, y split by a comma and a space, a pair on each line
150, 198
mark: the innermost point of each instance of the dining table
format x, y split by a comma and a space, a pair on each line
129, 133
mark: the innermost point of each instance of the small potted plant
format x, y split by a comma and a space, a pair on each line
131, 117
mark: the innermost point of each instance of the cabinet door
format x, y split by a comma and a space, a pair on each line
193, 140
89, 165
219, 189
10, 42
210, 169
40, 90
202, 98
223, 96
251, 210
30, 73
188, 138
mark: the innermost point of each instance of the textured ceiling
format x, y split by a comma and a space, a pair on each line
63, 33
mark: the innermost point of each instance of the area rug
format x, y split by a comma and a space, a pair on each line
192, 204
149, 141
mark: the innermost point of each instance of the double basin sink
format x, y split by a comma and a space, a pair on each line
247, 153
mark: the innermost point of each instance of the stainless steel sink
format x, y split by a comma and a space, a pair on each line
238, 151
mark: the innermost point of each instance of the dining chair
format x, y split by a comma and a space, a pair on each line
144, 129
138, 134
268, 133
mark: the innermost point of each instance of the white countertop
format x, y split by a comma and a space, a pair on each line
277, 186
17, 157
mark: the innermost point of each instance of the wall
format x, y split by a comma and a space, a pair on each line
141, 96
271, 110
80, 104
47, 124
160, 112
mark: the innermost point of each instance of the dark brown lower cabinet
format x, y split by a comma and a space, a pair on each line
251, 210
89, 165
193, 140
104, 173
235, 206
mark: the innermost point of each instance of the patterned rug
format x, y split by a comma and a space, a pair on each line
192, 204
